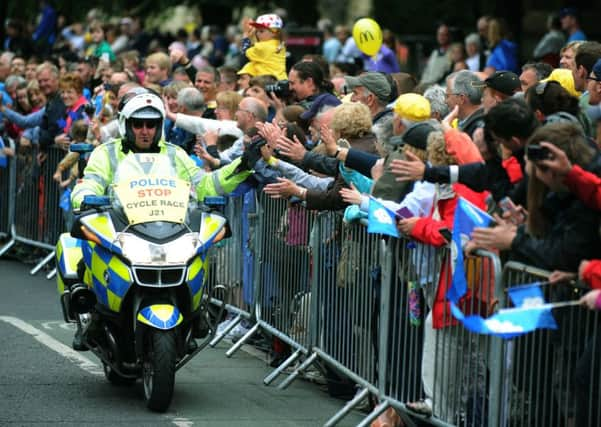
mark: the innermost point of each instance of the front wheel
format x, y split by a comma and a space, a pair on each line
158, 369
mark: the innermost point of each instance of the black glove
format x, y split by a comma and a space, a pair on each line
252, 153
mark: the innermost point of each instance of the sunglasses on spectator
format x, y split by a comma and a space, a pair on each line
597, 79
147, 123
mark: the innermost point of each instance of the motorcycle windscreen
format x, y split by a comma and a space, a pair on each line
148, 189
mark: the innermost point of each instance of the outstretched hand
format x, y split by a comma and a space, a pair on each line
282, 189
291, 148
412, 169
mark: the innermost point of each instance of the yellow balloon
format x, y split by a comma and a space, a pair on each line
368, 36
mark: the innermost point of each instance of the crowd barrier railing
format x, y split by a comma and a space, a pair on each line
7, 185
37, 219
229, 281
552, 377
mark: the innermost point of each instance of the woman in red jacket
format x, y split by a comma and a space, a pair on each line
438, 368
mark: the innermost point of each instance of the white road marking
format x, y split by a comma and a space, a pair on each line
66, 326
70, 354
57, 346
182, 422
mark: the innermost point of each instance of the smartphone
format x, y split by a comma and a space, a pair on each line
536, 152
404, 213
507, 205
446, 233
515, 215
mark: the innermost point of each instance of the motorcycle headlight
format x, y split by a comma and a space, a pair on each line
140, 251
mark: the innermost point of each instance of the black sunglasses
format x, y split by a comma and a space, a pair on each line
597, 79
147, 123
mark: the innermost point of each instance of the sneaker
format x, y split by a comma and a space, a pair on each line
364, 405
223, 325
238, 332
314, 375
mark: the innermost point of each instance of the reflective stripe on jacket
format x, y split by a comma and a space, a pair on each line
103, 162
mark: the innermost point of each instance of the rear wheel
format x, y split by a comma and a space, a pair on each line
158, 369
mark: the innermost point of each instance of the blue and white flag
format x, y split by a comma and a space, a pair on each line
380, 219
530, 313
467, 217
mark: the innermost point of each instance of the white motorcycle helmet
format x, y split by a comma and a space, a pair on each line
140, 103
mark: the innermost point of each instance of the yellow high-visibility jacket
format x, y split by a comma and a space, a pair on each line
103, 162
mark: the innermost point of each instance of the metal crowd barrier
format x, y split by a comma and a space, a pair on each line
37, 219
7, 177
282, 276
553, 377
229, 280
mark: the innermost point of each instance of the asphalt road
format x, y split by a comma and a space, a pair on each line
44, 383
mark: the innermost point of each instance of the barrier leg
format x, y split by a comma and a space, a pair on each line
42, 263
7, 246
350, 405
226, 331
269, 378
241, 341
51, 274
284, 384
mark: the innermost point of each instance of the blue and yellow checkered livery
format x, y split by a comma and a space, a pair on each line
68, 254
197, 271
106, 274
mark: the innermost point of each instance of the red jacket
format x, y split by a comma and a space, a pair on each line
587, 187
426, 231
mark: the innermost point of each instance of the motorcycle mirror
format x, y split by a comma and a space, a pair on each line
96, 201
215, 201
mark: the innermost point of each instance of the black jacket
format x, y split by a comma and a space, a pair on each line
50, 127
473, 122
572, 237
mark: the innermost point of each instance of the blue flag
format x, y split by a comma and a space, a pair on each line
380, 219
467, 217
530, 313
3, 159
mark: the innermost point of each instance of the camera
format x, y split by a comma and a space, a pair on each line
281, 89
536, 152
89, 109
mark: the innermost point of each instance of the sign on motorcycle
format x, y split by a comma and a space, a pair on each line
145, 199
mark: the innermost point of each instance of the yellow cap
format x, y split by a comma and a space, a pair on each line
564, 77
412, 106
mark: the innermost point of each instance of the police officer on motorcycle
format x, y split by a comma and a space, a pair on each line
141, 116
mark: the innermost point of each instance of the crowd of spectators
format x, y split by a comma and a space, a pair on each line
340, 126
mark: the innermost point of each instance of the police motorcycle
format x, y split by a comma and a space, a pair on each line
131, 272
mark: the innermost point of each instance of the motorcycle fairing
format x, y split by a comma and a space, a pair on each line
160, 316
210, 226
68, 254
196, 273
107, 275
101, 225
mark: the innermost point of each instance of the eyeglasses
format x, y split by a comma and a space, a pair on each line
597, 79
246, 111
147, 123
453, 93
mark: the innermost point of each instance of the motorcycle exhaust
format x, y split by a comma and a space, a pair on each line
82, 299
